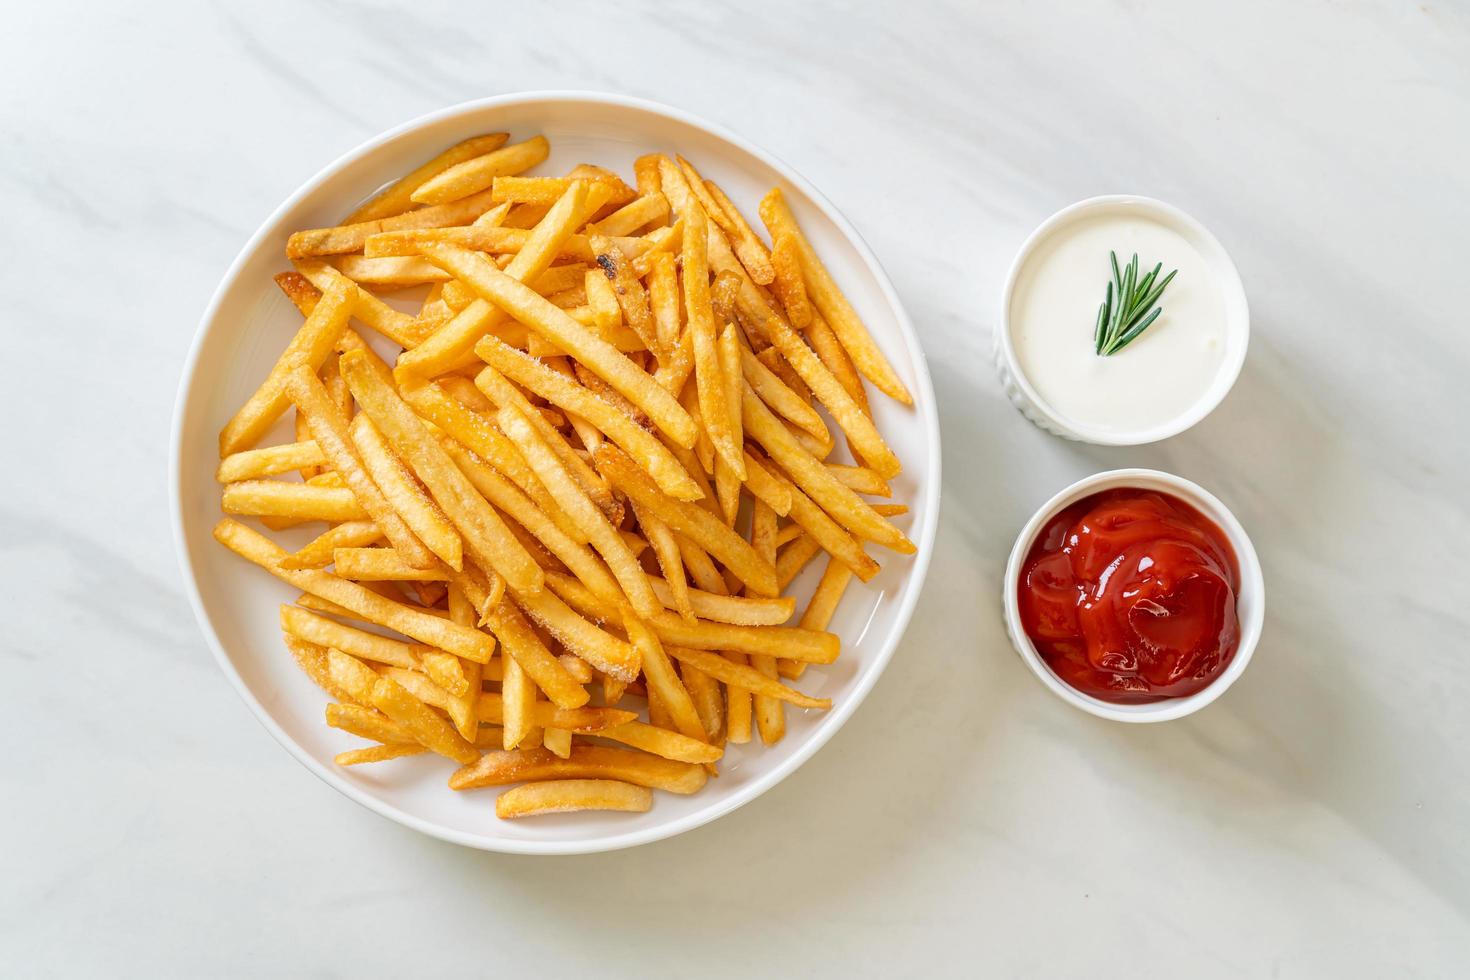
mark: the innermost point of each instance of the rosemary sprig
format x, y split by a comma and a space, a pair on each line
1124, 312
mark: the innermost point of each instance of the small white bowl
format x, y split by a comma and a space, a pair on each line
1250, 601
1023, 394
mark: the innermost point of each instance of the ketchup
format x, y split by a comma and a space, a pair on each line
1129, 596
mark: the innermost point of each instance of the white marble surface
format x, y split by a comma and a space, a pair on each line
1311, 824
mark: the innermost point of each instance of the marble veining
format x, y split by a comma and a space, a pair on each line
1310, 824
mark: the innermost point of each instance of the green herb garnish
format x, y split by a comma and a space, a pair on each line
1124, 313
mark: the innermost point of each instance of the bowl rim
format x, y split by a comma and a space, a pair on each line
924, 404
1252, 582
1238, 327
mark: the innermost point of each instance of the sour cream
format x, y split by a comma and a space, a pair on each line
1167, 377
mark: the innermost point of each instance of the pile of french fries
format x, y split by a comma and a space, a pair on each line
561, 524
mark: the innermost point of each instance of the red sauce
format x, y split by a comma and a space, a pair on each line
1129, 596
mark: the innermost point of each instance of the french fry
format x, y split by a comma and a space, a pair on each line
709, 376
581, 721
664, 302
822, 533
343, 239
776, 641
860, 479
780, 398
312, 659
571, 796
418, 624
366, 722
821, 607
627, 290
736, 610
770, 716
600, 649
593, 523
644, 210
739, 675
430, 729
485, 534
352, 675
833, 305
568, 395
397, 326
463, 708
519, 695
845, 506
557, 741
382, 565
660, 742
525, 305
392, 272
311, 345
397, 197
789, 287
586, 762
252, 464
377, 753
298, 501
666, 552
688, 519
358, 643
474, 175
665, 689
704, 691
743, 239
405, 497
541, 668
545, 190
317, 553
446, 346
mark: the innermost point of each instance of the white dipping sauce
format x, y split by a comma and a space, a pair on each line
1163, 372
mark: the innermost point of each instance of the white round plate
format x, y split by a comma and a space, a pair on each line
249, 322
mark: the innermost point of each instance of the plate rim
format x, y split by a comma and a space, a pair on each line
924, 404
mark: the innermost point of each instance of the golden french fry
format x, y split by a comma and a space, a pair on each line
252, 464
535, 311
485, 534
463, 708
365, 722
317, 553
743, 239
382, 565
395, 325
821, 607
571, 796
794, 557
583, 721
631, 297
776, 641
709, 375
736, 610
739, 675
822, 533
644, 210
312, 659
860, 479
845, 506
834, 307
541, 668
557, 741
447, 346
704, 691
398, 271
594, 524
298, 501
352, 676
377, 753
781, 399
664, 686
311, 345
415, 623
739, 706
325, 632
474, 175
586, 762
519, 695
405, 497
430, 729
572, 397
397, 197
688, 519
545, 190
351, 238
789, 287
664, 743
666, 553
600, 649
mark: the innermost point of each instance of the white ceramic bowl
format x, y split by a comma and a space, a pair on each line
1023, 394
248, 323
1250, 602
